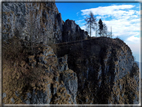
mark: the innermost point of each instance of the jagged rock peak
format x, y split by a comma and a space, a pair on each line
38, 22
73, 32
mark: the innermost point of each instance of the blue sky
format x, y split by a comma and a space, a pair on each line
124, 18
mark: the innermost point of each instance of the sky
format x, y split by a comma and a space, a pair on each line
123, 18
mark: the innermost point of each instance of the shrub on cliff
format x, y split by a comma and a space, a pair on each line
11, 49
18, 77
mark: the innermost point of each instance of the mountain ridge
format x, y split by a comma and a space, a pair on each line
48, 61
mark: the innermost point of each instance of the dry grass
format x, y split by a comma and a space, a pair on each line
18, 75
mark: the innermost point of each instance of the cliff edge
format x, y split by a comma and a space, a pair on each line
49, 61
106, 70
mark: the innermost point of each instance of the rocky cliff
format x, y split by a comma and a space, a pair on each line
34, 75
38, 22
72, 32
106, 71
75, 70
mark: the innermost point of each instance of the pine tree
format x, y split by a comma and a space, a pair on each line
91, 22
100, 27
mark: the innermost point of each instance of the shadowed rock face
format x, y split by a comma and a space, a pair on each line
72, 32
105, 69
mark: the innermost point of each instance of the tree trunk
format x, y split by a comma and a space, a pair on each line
96, 33
90, 29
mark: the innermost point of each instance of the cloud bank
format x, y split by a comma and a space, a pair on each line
124, 20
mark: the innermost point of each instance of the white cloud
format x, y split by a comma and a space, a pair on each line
83, 27
134, 43
133, 39
139, 1
123, 27
80, 22
77, 13
107, 10
124, 20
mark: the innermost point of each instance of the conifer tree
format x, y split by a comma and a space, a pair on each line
100, 23
91, 22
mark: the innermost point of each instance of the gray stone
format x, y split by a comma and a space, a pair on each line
16, 93
71, 84
27, 102
100, 72
62, 63
54, 90
12, 99
29, 95
3, 95
72, 32
48, 95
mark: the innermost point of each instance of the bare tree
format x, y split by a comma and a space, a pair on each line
91, 22
109, 34
104, 31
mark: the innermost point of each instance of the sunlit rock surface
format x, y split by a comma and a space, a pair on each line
38, 22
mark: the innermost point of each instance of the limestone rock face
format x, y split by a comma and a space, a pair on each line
106, 71
38, 22
69, 77
72, 32
62, 63
38, 78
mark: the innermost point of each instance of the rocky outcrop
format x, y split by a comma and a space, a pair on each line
106, 71
38, 22
37, 76
69, 77
72, 32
